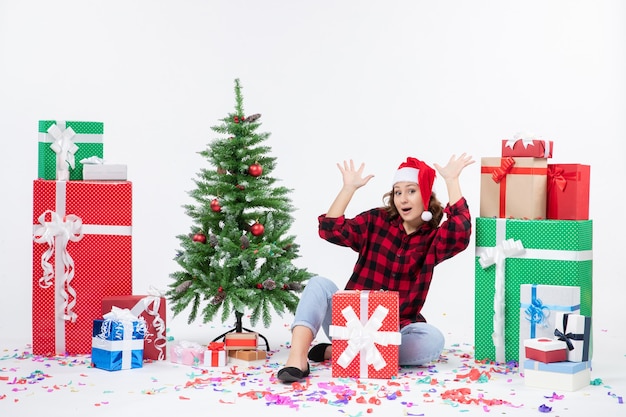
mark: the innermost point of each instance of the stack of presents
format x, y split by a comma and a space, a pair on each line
82, 300
533, 267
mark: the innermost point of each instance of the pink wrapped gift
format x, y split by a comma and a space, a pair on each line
187, 353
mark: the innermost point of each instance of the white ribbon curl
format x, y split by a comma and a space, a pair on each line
151, 305
490, 256
56, 234
362, 338
65, 148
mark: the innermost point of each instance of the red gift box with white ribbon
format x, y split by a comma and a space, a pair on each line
365, 334
151, 308
527, 146
82, 252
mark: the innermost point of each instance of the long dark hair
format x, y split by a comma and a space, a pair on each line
434, 206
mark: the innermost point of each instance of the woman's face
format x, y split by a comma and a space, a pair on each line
408, 201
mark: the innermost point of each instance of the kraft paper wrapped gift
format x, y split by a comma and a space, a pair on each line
241, 340
545, 350
539, 308
63, 144
575, 330
513, 187
365, 334
568, 191
558, 376
512, 252
117, 341
82, 252
215, 355
248, 355
151, 308
527, 147
186, 352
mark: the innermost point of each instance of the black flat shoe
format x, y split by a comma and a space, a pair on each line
293, 374
316, 354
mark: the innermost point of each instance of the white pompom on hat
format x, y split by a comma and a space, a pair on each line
414, 170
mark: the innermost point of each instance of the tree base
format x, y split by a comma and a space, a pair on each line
239, 329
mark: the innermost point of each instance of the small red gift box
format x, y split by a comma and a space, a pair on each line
152, 309
545, 350
82, 252
568, 191
215, 354
241, 340
513, 187
533, 148
365, 334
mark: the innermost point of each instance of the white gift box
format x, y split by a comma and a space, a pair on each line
103, 172
576, 329
558, 376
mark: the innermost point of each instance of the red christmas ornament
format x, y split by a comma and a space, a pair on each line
241, 187
236, 119
259, 286
257, 229
255, 169
220, 289
199, 237
215, 205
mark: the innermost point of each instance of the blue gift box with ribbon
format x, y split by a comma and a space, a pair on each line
117, 343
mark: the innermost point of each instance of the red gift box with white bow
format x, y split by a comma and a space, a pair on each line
82, 252
365, 334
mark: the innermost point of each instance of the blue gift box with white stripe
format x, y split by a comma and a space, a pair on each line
117, 344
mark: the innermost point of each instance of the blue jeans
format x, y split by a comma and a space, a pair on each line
421, 342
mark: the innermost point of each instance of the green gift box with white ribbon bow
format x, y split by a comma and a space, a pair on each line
63, 144
512, 252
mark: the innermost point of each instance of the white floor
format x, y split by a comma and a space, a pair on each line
31, 386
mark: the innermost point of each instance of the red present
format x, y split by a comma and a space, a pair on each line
513, 188
215, 354
533, 148
82, 252
365, 334
545, 350
241, 340
152, 309
568, 192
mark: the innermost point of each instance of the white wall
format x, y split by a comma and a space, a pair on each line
373, 81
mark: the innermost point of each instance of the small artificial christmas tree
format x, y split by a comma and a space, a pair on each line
238, 255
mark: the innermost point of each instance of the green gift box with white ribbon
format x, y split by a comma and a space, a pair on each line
63, 144
512, 252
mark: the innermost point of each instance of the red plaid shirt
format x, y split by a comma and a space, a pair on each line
389, 259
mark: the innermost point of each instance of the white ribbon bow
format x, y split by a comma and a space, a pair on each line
63, 146
362, 338
59, 232
526, 139
497, 256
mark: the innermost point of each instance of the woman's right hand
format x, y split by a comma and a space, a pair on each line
353, 178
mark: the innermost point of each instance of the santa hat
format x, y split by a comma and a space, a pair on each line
414, 170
